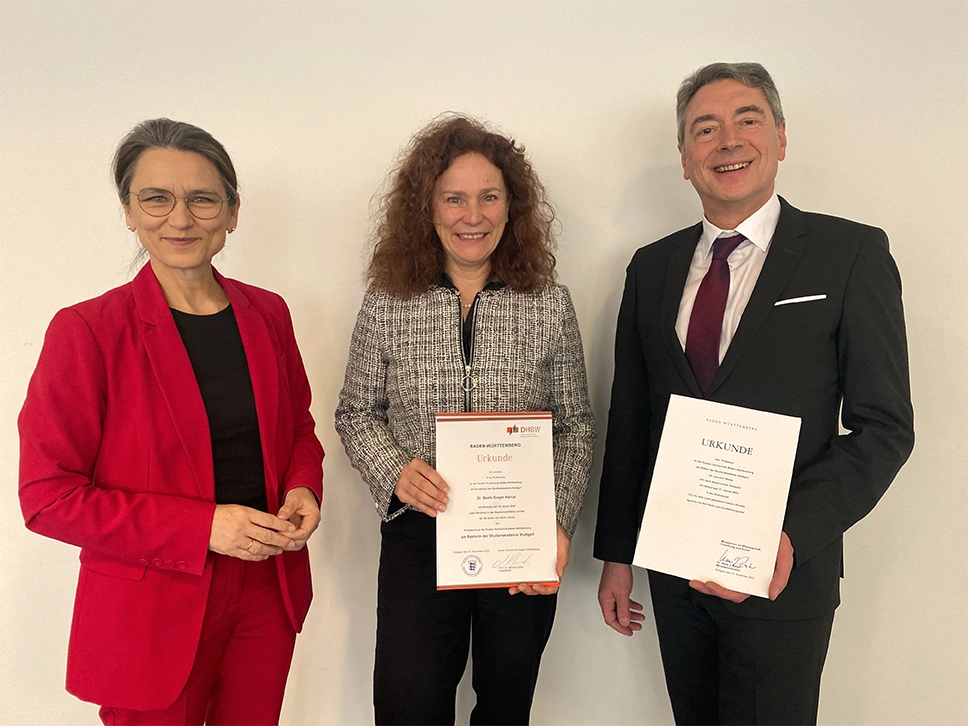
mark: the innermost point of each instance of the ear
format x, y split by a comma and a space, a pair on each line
234, 215
682, 160
128, 216
782, 142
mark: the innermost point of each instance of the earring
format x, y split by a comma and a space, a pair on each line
131, 229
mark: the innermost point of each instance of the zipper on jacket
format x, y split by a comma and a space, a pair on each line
467, 357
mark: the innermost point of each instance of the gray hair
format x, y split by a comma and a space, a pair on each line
167, 134
750, 74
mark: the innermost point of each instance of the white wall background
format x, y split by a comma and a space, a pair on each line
314, 100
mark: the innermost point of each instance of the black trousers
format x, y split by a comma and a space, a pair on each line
423, 637
721, 668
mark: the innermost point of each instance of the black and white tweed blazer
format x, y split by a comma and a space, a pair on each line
405, 365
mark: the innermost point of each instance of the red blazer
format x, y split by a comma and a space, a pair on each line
116, 457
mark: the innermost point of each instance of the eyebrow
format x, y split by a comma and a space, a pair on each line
169, 191
702, 119
457, 192
751, 108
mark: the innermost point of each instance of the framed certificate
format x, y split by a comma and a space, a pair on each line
499, 528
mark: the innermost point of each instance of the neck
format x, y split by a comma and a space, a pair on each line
191, 291
726, 216
469, 281
726, 220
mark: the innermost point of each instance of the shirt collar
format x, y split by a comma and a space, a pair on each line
446, 282
758, 228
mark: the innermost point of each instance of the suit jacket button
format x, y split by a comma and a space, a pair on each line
182, 564
169, 564
144, 562
157, 563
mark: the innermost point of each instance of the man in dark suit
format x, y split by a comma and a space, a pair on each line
812, 326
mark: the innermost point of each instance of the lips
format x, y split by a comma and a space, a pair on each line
180, 241
732, 167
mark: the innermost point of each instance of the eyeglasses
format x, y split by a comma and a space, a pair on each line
161, 202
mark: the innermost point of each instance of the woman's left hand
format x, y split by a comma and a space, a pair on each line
564, 545
301, 509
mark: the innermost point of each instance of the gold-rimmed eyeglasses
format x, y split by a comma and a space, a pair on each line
161, 202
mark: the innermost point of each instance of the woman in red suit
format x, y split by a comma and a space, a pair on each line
167, 433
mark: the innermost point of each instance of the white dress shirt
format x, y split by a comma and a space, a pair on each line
745, 264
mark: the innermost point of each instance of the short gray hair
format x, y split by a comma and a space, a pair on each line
750, 74
164, 133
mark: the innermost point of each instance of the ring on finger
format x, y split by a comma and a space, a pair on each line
251, 542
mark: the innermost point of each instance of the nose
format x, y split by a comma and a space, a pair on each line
473, 214
180, 217
730, 138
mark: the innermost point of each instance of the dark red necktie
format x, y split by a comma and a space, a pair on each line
706, 321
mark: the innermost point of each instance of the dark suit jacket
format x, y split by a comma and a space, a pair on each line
116, 458
803, 359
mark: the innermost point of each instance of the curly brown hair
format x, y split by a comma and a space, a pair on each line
408, 257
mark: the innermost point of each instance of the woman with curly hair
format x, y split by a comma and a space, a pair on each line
462, 314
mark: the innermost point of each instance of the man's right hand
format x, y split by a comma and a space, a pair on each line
622, 614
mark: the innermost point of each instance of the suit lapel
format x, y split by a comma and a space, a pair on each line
175, 378
786, 249
675, 281
261, 351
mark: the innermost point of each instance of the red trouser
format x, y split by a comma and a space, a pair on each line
242, 663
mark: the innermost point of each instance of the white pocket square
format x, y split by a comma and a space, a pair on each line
805, 298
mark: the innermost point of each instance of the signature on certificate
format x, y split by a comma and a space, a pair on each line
741, 562
512, 560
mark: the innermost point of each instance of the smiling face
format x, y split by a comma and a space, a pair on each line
470, 212
731, 150
178, 244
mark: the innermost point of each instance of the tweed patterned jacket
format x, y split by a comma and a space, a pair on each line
406, 364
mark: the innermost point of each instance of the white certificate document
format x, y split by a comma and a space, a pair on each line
499, 529
718, 494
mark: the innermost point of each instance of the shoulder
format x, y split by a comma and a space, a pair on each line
558, 296
256, 295
826, 228
378, 300
663, 248
378, 297
834, 247
107, 310
826, 223
268, 303
553, 293
553, 302
102, 323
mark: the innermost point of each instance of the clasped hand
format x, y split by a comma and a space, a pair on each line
249, 534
